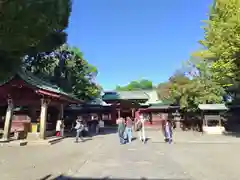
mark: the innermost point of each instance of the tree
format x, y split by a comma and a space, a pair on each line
67, 68
164, 89
199, 89
30, 27
136, 85
215, 67
222, 41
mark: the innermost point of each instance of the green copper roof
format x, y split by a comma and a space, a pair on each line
125, 95
39, 83
29, 78
97, 101
162, 103
159, 104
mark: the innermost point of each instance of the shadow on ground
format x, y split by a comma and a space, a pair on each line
232, 129
232, 133
106, 131
62, 177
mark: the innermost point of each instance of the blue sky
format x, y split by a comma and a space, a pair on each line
136, 39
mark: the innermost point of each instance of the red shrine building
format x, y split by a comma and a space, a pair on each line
31, 105
134, 103
125, 103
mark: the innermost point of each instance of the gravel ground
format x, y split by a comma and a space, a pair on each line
103, 156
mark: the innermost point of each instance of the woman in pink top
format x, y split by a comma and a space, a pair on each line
128, 129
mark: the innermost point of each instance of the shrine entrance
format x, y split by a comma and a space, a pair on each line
126, 113
127, 109
125, 103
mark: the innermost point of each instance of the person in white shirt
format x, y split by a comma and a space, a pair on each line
62, 128
101, 125
58, 127
141, 128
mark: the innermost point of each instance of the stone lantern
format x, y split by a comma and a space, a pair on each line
177, 119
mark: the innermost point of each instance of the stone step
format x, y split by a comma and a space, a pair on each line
32, 136
48, 141
12, 142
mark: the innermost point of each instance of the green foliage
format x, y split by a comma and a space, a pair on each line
222, 45
67, 68
165, 90
191, 86
213, 70
199, 89
222, 41
137, 85
30, 27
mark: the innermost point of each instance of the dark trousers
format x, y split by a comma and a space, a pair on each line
168, 137
121, 136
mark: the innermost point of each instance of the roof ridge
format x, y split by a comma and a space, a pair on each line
147, 95
34, 80
7, 80
35, 77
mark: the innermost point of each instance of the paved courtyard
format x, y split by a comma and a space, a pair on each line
104, 157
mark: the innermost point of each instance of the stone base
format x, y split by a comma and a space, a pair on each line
35, 136
5, 140
48, 141
12, 142
213, 130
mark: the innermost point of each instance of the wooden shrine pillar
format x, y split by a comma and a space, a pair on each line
61, 111
43, 118
119, 113
8, 120
133, 113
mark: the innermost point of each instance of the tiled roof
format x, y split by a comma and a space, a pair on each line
161, 105
97, 101
150, 96
125, 95
29, 78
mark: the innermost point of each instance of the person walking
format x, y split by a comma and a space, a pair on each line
121, 129
62, 128
168, 131
128, 129
58, 127
163, 130
141, 128
94, 126
101, 126
79, 130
